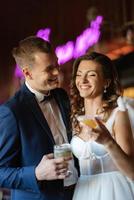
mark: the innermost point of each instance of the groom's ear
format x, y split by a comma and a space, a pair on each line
27, 72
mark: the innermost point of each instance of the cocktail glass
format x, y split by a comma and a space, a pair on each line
87, 120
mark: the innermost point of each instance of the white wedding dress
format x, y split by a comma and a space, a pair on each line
99, 179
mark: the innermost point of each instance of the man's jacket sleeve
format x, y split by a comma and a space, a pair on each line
12, 174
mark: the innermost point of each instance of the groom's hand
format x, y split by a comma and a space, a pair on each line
52, 169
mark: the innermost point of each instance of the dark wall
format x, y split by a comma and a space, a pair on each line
21, 18
67, 19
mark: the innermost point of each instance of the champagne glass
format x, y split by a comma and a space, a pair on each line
63, 150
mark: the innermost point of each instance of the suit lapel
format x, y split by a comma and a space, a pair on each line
35, 109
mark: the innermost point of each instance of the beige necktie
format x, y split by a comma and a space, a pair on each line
51, 113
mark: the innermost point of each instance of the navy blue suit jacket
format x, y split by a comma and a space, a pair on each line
24, 138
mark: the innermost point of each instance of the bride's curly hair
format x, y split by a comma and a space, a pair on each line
113, 91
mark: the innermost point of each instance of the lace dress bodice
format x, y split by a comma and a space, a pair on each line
93, 158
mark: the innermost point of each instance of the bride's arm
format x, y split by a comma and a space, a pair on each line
121, 149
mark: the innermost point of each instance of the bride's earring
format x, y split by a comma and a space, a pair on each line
105, 89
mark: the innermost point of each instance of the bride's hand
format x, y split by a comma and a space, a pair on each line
101, 134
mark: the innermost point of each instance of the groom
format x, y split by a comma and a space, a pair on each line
31, 123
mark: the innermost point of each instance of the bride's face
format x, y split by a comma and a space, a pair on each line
89, 79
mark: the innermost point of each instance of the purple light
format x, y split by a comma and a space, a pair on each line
86, 39
18, 73
65, 52
44, 33
82, 43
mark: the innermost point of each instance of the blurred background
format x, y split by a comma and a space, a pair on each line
67, 21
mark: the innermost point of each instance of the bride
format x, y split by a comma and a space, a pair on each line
106, 152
